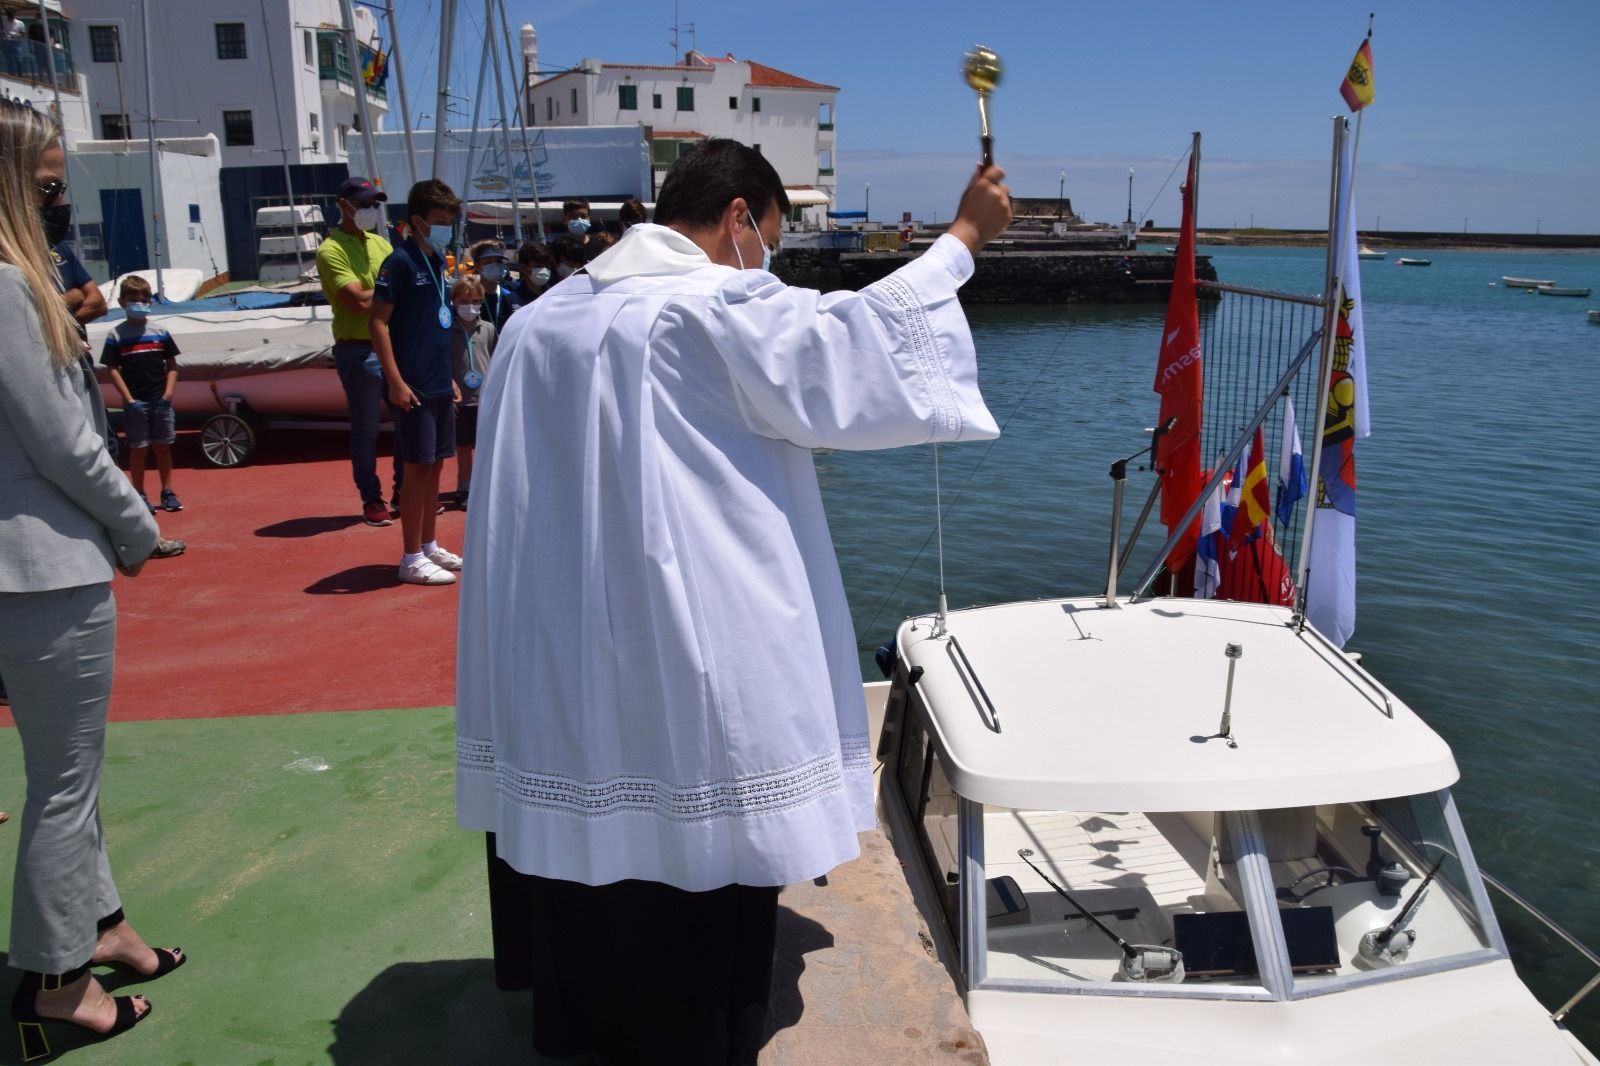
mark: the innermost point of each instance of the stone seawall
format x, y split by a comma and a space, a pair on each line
1006, 277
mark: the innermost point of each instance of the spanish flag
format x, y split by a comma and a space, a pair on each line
1357, 88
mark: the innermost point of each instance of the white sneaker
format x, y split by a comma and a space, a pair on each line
445, 559
425, 572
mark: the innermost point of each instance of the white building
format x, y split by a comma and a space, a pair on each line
788, 118
231, 68
119, 223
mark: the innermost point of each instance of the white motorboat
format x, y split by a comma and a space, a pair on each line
1594, 316
1557, 290
1413, 262
1191, 830
1366, 252
1523, 283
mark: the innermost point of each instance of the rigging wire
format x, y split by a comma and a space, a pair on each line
1181, 157
945, 512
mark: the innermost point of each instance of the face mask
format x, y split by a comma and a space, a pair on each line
492, 271
439, 237
137, 310
468, 312
369, 218
57, 221
578, 227
542, 275
563, 270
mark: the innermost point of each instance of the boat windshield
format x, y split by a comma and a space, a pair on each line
1345, 889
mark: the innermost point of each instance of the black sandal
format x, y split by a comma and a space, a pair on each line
30, 1023
167, 959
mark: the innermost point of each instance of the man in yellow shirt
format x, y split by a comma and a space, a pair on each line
347, 262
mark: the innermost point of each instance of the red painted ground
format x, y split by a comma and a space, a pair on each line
285, 601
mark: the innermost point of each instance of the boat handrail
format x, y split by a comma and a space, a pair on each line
1270, 294
1549, 923
1361, 672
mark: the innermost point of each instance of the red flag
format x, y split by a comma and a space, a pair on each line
1179, 381
1255, 498
1253, 569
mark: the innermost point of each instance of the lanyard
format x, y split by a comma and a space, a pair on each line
438, 281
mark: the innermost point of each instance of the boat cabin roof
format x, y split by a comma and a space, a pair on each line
1067, 705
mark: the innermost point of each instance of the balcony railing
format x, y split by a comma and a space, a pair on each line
333, 64
29, 60
824, 172
824, 126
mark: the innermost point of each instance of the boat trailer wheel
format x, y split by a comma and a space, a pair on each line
227, 439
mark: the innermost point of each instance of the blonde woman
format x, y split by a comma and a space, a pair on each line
69, 519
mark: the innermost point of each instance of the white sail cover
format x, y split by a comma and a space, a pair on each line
657, 676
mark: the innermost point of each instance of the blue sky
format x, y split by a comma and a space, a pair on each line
1487, 115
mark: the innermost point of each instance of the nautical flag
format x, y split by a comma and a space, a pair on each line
1207, 570
1255, 502
1357, 86
1331, 582
374, 67
1291, 466
1179, 381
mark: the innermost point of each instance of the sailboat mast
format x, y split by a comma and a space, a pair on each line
155, 167
447, 21
522, 122
353, 54
400, 83
472, 136
61, 116
288, 180
505, 134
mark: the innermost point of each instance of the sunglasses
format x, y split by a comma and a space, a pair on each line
51, 191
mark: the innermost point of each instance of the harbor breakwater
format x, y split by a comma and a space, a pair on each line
1031, 276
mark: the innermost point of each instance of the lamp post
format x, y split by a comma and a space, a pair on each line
1130, 195
1061, 197
868, 211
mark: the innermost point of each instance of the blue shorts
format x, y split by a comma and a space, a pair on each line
149, 422
428, 431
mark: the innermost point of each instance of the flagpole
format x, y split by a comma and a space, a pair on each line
1335, 287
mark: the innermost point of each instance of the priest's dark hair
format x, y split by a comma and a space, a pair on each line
427, 195
710, 175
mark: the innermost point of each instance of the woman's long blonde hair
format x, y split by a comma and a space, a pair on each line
25, 134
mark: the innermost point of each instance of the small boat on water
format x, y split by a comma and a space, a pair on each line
1366, 252
1594, 316
1414, 262
1523, 283
1556, 290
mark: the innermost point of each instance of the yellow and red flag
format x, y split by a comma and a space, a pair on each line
1357, 87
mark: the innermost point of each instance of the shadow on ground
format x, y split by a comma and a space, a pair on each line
310, 526
366, 578
797, 936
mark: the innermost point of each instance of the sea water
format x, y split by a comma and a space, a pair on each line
1478, 525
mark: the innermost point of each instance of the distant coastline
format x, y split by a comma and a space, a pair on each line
1388, 239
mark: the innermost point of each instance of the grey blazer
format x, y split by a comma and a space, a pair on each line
65, 508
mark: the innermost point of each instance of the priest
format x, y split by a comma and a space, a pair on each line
659, 708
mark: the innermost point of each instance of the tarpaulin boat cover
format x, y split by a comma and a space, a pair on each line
216, 345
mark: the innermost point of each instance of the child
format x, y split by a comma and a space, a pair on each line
489, 260
143, 360
471, 344
411, 326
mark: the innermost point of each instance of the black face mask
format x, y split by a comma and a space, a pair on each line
57, 221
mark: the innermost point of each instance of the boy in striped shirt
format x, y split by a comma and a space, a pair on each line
143, 360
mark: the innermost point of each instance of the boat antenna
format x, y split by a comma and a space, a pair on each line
1393, 942
938, 527
1405, 912
1140, 962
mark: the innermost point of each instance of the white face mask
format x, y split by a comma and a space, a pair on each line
563, 270
492, 271
766, 252
542, 275
369, 218
468, 312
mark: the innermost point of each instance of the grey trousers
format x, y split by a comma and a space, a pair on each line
57, 650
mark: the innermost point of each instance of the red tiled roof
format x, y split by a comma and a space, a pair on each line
773, 78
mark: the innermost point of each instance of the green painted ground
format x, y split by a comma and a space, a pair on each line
331, 916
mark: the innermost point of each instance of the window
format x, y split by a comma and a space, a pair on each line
310, 48
230, 40
755, 104
344, 137
825, 162
105, 44
655, 101
549, 108
194, 214
238, 129
733, 103
114, 127
686, 98
628, 97
824, 116
574, 101
314, 120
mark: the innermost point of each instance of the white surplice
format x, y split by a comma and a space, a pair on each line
656, 674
